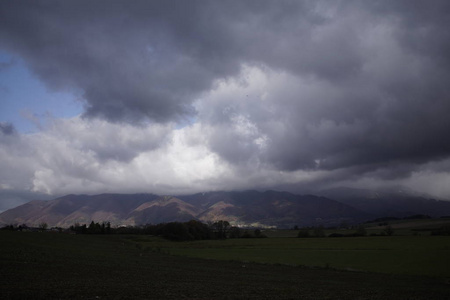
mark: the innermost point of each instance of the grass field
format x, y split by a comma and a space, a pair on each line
411, 255
60, 266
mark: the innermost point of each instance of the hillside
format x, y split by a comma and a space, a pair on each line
389, 203
249, 208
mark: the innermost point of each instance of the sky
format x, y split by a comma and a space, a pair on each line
176, 97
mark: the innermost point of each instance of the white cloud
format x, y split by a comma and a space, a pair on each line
69, 157
87, 156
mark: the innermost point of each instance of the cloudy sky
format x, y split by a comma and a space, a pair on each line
177, 97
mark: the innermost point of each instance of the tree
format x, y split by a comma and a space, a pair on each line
235, 232
176, 231
389, 230
43, 226
221, 228
94, 228
198, 230
108, 227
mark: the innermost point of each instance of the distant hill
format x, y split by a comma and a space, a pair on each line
248, 208
67, 210
389, 203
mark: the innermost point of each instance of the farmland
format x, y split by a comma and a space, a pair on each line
408, 255
38, 265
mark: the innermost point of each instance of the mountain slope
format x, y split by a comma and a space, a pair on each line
163, 209
394, 203
278, 209
270, 208
70, 209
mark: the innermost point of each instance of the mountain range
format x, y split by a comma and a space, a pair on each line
246, 208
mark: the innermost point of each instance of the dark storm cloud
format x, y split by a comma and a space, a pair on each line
151, 59
374, 96
365, 83
125, 59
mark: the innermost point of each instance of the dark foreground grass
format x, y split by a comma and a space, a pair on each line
58, 266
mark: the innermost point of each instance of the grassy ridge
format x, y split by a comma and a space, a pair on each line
59, 266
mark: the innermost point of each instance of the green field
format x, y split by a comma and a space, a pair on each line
61, 266
411, 255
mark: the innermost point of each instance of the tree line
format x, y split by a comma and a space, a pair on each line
175, 231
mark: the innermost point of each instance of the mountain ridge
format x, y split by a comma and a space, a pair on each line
241, 208
394, 202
